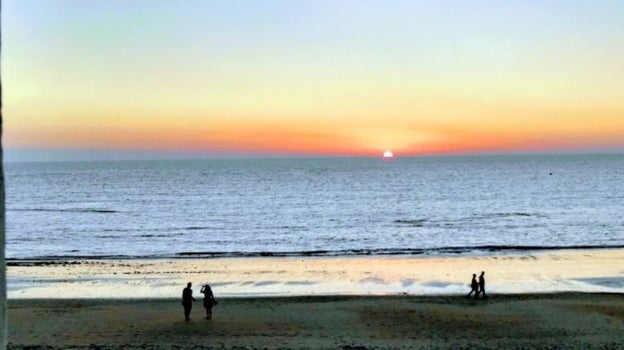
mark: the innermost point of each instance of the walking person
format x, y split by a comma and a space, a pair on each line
474, 286
187, 300
209, 300
482, 285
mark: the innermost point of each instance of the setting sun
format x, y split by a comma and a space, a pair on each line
388, 154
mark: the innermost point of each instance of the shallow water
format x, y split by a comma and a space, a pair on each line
598, 270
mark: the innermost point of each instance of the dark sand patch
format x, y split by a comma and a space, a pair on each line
588, 321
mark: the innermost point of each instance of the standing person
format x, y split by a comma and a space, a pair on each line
187, 300
474, 286
209, 300
482, 285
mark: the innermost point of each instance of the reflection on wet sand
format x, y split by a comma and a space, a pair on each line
598, 270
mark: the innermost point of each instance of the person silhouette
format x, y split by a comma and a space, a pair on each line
187, 300
474, 286
482, 285
209, 300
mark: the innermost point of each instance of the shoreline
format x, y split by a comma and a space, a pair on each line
439, 252
528, 321
541, 271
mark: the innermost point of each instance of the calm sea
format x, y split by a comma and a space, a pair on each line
311, 206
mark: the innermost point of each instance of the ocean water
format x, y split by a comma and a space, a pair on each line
313, 206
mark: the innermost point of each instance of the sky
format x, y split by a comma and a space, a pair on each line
130, 79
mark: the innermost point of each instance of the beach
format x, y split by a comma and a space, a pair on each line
581, 270
543, 299
527, 321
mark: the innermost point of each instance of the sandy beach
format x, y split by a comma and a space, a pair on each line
529, 321
551, 299
543, 299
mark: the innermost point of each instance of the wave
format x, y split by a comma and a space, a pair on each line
194, 228
504, 215
447, 223
67, 210
394, 251
414, 223
438, 251
164, 229
146, 235
531, 220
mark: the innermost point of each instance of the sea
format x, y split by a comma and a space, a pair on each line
452, 205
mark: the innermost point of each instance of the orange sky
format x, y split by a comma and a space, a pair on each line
314, 78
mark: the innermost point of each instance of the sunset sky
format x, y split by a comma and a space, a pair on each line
293, 77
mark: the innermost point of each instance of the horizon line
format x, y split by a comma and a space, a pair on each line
13, 155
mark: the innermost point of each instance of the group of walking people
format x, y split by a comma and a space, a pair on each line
187, 300
478, 288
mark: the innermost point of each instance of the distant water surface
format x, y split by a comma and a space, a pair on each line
314, 206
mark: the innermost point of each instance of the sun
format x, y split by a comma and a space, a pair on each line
388, 154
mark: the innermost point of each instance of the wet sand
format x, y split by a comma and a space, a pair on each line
591, 271
532, 321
